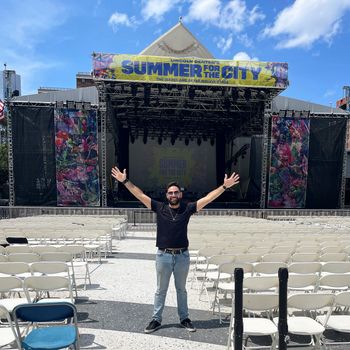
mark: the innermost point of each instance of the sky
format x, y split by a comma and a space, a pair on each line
48, 41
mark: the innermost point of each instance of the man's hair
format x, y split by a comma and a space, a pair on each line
173, 183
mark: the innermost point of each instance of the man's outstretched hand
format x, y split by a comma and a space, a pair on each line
231, 181
118, 175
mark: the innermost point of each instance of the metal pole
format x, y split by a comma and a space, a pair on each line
238, 325
282, 317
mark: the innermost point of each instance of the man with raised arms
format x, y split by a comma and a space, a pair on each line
172, 242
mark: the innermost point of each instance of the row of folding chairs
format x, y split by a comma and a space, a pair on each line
87, 249
205, 253
305, 277
309, 316
44, 288
271, 247
74, 262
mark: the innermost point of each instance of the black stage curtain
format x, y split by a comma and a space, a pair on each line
254, 189
325, 163
34, 156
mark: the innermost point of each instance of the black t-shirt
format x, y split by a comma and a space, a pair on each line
172, 224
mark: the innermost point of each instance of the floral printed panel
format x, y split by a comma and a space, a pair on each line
77, 171
289, 162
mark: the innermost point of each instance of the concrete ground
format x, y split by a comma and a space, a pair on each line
116, 308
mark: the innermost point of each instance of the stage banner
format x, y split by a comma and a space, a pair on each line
190, 71
77, 171
288, 162
33, 155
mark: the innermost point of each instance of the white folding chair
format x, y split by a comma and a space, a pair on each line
225, 285
276, 257
8, 333
303, 282
335, 282
311, 304
257, 325
42, 285
18, 269
268, 268
340, 320
334, 257
335, 267
305, 267
10, 286
23, 257
304, 257
78, 253
22, 248
211, 273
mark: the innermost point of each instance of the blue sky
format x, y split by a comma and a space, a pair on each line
48, 41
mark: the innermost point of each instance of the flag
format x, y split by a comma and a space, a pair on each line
2, 110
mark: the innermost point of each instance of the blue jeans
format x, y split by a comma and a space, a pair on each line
166, 264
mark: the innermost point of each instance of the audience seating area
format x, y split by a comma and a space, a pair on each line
41, 259
317, 256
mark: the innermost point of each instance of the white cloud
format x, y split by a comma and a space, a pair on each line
204, 10
118, 19
245, 40
233, 15
243, 56
157, 8
307, 21
224, 44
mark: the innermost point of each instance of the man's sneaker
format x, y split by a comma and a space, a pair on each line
186, 323
153, 326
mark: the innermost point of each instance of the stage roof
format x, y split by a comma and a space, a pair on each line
177, 42
288, 103
89, 94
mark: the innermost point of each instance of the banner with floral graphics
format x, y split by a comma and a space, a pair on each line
76, 158
289, 162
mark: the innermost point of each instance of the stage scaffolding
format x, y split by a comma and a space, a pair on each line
200, 113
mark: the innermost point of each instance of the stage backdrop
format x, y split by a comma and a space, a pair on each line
77, 158
152, 166
288, 162
34, 155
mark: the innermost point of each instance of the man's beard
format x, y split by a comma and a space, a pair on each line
174, 201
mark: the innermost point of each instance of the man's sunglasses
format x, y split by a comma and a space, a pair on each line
175, 193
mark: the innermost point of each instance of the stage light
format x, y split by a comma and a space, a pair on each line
172, 140
241, 95
147, 95
145, 135
248, 94
199, 141
160, 140
132, 138
191, 93
79, 105
212, 141
187, 141
133, 89
234, 93
262, 94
